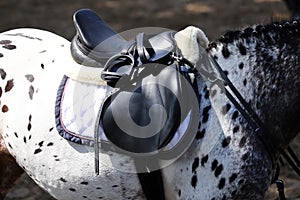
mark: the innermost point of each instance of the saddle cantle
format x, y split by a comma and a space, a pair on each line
95, 42
91, 31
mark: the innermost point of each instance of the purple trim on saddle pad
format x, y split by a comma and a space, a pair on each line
76, 109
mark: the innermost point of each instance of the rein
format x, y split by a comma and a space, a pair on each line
255, 122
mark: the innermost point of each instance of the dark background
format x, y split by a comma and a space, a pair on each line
213, 16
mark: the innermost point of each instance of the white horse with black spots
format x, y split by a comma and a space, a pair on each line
226, 159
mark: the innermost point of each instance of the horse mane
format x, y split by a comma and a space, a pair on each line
270, 34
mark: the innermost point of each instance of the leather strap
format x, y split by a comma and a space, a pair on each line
252, 118
151, 182
144, 48
245, 109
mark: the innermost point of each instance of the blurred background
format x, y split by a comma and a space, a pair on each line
213, 16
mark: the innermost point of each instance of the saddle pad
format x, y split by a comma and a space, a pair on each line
76, 109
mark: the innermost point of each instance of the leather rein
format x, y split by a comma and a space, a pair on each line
255, 122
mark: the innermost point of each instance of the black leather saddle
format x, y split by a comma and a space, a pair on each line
149, 93
144, 71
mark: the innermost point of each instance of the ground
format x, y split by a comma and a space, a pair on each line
213, 16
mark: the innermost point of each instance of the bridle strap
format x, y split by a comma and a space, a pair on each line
291, 159
252, 118
245, 109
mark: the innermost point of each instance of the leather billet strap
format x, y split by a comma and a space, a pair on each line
144, 48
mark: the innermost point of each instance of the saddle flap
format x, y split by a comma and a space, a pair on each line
143, 115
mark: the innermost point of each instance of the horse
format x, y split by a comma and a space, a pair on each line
226, 159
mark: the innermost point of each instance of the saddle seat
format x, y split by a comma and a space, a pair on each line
95, 42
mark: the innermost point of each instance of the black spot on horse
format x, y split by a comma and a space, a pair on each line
42, 66
51, 129
241, 181
5, 108
242, 49
1, 55
1, 91
225, 51
24, 139
221, 183
37, 151
29, 77
84, 197
241, 65
195, 164
9, 145
63, 180
226, 108
200, 134
9, 85
72, 189
2, 74
245, 82
31, 91
29, 126
204, 160
50, 144
179, 193
245, 156
226, 141
9, 46
219, 170
206, 96
194, 181
205, 114
114, 186
84, 183
232, 177
236, 129
5, 42
214, 165
243, 141
41, 143
57, 159
235, 115
16, 134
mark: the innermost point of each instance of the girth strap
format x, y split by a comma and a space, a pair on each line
151, 182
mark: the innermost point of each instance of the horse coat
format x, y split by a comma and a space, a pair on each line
224, 161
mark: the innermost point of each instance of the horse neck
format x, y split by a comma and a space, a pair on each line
263, 64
